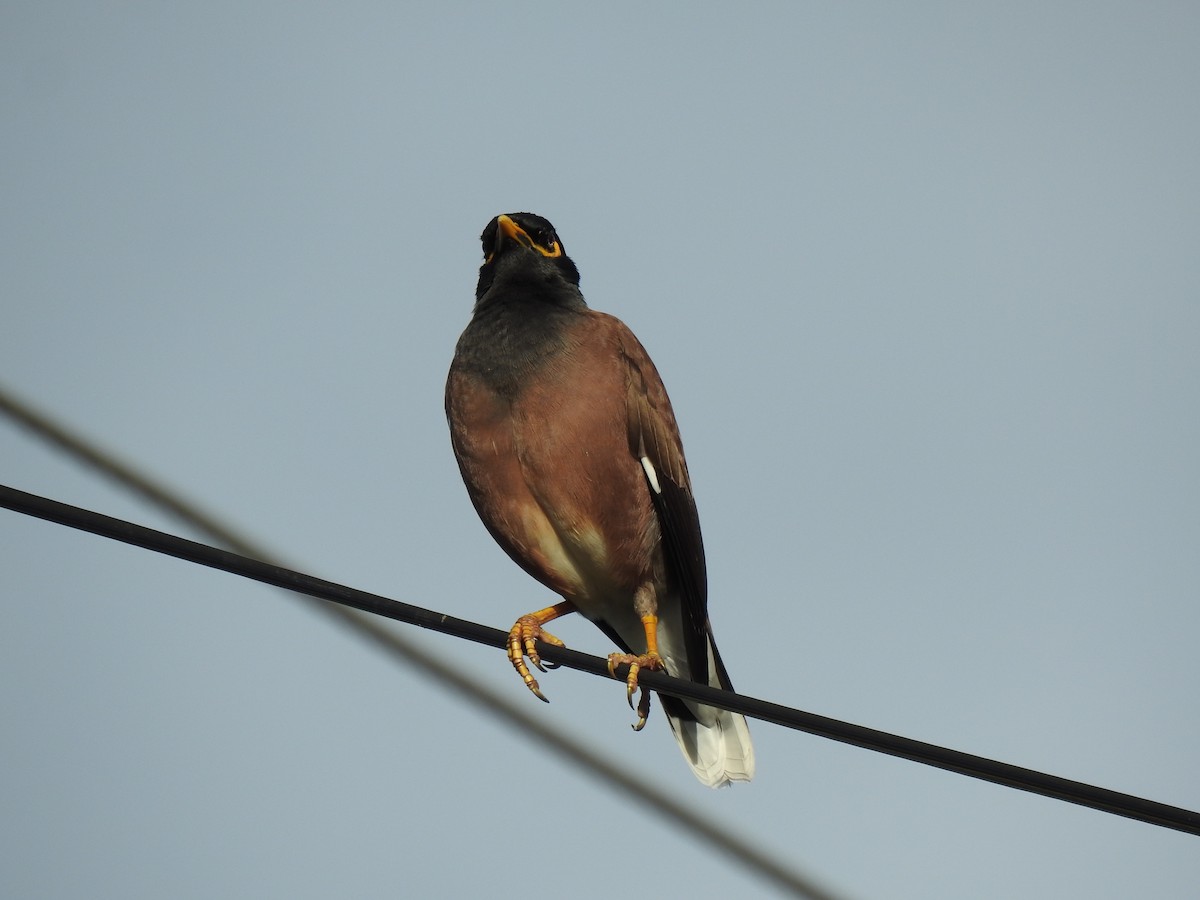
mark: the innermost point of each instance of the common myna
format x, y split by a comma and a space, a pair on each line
569, 449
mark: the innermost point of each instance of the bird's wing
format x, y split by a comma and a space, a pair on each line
654, 442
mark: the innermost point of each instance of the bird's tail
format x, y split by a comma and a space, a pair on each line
715, 742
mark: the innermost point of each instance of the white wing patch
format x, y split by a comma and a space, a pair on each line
651, 475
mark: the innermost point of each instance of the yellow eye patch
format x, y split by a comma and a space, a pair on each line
515, 232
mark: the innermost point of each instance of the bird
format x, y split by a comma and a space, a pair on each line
571, 455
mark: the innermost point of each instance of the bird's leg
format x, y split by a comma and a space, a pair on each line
646, 607
523, 638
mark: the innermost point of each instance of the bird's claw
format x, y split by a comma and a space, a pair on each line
651, 661
522, 643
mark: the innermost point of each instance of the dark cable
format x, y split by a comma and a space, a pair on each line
929, 754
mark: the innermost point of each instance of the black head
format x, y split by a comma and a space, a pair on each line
523, 248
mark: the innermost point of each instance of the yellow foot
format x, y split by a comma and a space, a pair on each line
522, 642
651, 661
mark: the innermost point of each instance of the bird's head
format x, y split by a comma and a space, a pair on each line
523, 249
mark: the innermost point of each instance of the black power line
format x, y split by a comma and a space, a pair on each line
918, 751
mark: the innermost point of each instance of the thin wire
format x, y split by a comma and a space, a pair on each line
929, 754
647, 794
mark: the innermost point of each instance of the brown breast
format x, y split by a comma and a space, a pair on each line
550, 470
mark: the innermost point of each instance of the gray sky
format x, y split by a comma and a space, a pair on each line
923, 282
